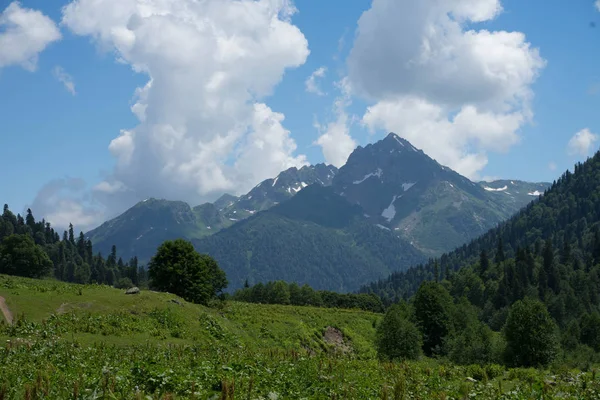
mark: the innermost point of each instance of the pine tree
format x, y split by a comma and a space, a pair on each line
500, 252
71, 234
484, 262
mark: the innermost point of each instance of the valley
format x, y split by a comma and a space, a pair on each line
422, 208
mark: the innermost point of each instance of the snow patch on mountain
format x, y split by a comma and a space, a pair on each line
489, 189
407, 186
377, 173
390, 212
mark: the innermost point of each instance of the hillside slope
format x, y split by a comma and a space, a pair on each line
101, 313
431, 206
96, 342
316, 238
549, 250
141, 229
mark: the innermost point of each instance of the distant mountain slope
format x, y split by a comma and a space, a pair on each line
142, 228
393, 189
426, 203
316, 237
514, 194
274, 191
567, 215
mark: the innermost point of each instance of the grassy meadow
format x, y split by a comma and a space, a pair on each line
94, 342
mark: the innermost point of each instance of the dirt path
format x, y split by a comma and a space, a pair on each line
5, 310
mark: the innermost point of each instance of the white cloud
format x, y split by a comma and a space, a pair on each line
335, 139
61, 202
448, 140
203, 128
582, 143
67, 80
24, 34
598, 5
552, 166
311, 81
455, 93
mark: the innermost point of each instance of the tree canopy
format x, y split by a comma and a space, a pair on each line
177, 268
530, 334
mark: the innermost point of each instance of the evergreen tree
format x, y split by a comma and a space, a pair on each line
484, 262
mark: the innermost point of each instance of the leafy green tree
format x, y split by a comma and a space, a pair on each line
570, 337
397, 337
433, 310
590, 330
177, 268
472, 342
530, 334
279, 292
19, 255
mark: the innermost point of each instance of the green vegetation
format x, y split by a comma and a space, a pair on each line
316, 238
397, 337
90, 341
179, 269
280, 292
530, 334
547, 258
33, 249
141, 229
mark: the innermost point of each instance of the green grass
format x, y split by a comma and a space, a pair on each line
94, 342
96, 312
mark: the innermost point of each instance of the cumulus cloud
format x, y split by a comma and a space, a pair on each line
449, 140
24, 34
335, 139
202, 126
582, 143
311, 82
67, 80
598, 5
455, 93
62, 201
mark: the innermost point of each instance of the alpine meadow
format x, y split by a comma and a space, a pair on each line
277, 199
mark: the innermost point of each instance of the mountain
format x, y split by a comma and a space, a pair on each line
431, 206
391, 186
548, 253
316, 237
142, 228
274, 191
550, 249
514, 194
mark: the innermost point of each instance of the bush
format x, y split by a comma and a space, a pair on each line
124, 283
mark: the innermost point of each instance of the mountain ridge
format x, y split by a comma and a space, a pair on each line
390, 184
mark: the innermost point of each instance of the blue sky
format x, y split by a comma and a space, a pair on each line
57, 156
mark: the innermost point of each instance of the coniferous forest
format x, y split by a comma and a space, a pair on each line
548, 253
31, 248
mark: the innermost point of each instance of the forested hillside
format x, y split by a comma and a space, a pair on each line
550, 251
316, 237
33, 248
